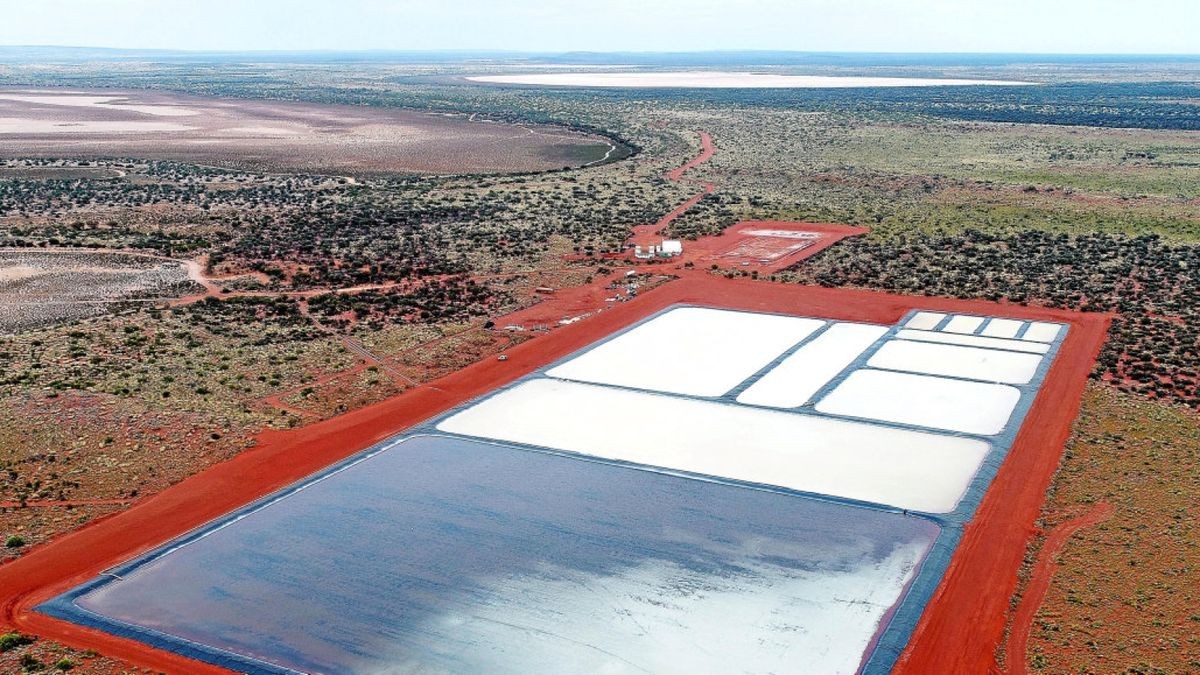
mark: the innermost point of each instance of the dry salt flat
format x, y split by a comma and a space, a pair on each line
18, 125
71, 100
710, 79
277, 135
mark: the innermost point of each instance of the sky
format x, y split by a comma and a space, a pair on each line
1030, 26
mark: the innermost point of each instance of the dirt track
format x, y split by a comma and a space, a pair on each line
648, 234
1039, 583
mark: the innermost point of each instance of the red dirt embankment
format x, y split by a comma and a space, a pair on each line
1039, 583
965, 619
981, 571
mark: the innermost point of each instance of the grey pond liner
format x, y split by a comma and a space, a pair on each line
889, 642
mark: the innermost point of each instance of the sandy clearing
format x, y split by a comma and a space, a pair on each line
725, 80
21, 271
44, 286
18, 272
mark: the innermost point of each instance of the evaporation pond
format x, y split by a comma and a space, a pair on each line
447, 555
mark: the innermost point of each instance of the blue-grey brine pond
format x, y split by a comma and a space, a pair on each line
440, 554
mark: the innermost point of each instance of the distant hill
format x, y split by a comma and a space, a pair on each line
56, 54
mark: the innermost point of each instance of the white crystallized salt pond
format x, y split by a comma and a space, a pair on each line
973, 363
921, 400
711, 79
690, 350
1041, 332
963, 324
973, 341
1002, 328
798, 377
925, 320
901, 468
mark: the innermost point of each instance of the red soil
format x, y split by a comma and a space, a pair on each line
972, 596
646, 235
735, 248
1039, 583
566, 303
965, 619
67, 502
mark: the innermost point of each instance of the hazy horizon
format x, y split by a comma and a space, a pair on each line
634, 52
1069, 27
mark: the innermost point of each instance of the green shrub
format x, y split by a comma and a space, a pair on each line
10, 641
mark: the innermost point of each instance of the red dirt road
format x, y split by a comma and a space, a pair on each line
1039, 583
646, 235
965, 619
707, 150
724, 250
994, 544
